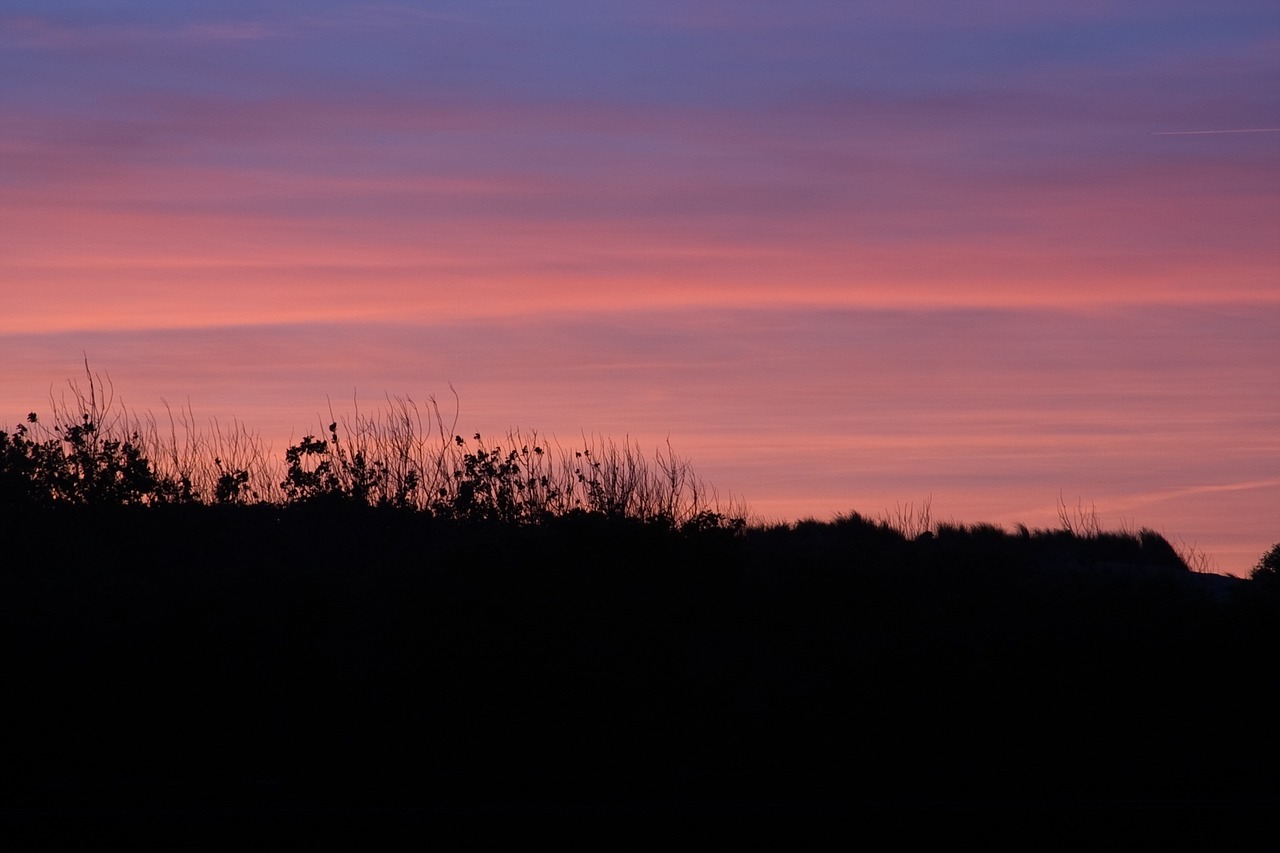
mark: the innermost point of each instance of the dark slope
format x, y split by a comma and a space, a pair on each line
262, 657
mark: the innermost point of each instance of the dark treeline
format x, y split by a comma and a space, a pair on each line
326, 653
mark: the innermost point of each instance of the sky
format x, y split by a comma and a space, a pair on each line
996, 256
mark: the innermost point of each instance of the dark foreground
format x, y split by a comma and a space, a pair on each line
200, 661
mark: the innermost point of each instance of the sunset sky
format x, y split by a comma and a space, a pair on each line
844, 255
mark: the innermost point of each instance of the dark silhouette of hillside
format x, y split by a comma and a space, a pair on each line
331, 652
384, 654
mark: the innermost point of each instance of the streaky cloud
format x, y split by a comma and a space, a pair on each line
1212, 132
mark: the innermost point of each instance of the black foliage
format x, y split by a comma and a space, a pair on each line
96, 456
1268, 567
345, 649
79, 466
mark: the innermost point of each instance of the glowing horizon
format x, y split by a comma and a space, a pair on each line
1037, 241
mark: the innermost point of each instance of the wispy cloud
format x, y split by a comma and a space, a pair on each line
34, 31
1212, 132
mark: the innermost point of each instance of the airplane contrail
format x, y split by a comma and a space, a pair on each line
1205, 132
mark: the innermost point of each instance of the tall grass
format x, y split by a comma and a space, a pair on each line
403, 454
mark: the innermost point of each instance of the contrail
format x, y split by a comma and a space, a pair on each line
1205, 132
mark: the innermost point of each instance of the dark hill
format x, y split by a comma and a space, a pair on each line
195, 657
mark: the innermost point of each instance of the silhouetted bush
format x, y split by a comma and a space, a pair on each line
80, 465
1268, 566
97, 454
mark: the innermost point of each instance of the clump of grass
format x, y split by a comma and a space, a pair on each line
1079, 521
1195, 557
404, 455
911, 520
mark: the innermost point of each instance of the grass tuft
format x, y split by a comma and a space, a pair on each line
405, 455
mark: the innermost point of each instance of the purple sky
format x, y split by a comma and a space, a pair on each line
844, 254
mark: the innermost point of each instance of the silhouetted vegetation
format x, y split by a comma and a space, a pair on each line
466, 625
404, 457
1268, 565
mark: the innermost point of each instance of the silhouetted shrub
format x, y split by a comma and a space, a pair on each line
26, 467
1268, 566
97, 454
77, 465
